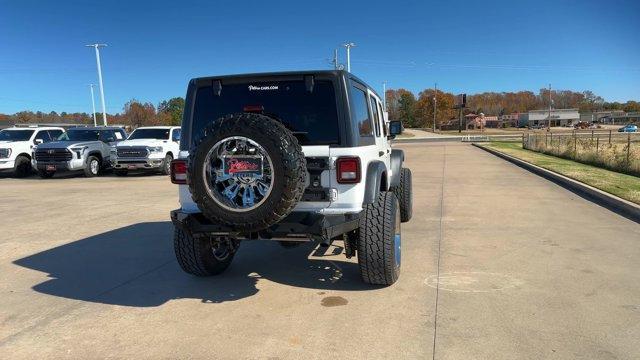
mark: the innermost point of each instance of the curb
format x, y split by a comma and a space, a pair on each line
425, 139
612, 202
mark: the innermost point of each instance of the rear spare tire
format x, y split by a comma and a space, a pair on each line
246, 171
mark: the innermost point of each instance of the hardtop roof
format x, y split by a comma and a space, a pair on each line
335, 73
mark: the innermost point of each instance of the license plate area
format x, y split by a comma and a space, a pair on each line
131, 167
51, 168
242, 165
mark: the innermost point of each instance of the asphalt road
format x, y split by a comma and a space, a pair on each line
497, 264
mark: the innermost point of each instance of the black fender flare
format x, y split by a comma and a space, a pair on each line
396, 160
375, 172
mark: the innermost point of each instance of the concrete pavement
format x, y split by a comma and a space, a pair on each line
517, 266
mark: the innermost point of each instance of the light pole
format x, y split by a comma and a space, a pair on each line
104, 108
349, 46
384, 95
93, 105
549, 122
435, 105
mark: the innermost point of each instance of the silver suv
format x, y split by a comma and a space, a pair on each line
83, 148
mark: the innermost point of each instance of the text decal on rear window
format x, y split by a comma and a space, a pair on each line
262, 88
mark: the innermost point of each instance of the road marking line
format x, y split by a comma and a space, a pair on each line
440, 235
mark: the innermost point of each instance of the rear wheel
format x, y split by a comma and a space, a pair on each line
45, 174
22, 167
166, 165
379, 241
203, 256
93, 166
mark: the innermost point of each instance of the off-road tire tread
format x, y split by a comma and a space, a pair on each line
294, 164
404, 194
191, 255
375, 243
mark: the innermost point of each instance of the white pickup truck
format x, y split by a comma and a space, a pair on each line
149, 148
17, 144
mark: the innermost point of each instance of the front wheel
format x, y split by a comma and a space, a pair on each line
166, 165
93, 166
203, 256
22, 167
379, 241
404, 194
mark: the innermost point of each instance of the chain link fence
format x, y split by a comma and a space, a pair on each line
607, 149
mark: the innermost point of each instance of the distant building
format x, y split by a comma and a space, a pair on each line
509, 120
605, 117
557, 117
624, 118
480, 121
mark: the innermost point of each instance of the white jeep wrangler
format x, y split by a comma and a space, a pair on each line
17, 145
150, 148
292, 157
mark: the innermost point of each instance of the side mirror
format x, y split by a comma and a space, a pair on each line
38, 141
395, 128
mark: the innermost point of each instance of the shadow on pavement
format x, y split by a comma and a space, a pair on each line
135, 266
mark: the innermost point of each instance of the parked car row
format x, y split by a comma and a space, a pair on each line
91, 150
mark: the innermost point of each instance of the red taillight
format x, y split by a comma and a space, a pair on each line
179, 172
348, 170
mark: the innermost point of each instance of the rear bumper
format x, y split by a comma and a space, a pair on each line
296, 225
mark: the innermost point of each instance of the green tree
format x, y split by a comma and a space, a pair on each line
407, 108
174, 108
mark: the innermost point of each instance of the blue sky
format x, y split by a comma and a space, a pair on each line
156, 47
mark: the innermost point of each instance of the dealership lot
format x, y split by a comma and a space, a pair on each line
518, 267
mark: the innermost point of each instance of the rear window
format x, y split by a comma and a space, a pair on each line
311, 116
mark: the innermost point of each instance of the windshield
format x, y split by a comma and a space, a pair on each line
311, 116
161, 134
15, 135
80, 135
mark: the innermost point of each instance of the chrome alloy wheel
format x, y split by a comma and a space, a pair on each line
239, 191
94, 166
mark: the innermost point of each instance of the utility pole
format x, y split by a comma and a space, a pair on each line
549, 123
349, 46
435, 105
93, 105
104, 107
384, 95
335, 59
